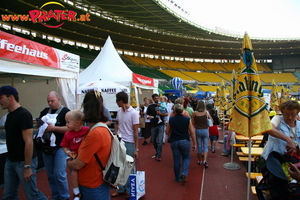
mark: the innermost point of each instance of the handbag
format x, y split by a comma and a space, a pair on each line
209, 122
142, 122
137, 185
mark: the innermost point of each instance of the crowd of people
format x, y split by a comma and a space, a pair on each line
183, 123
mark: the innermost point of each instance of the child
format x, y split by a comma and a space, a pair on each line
213, 131
71, 142
162, 107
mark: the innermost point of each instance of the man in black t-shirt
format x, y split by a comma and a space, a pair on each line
55, 164
21, 163
157, 129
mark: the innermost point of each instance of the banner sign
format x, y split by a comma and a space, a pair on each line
19, 49
143, 80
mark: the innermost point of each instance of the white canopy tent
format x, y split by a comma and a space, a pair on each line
109, 66
21, 57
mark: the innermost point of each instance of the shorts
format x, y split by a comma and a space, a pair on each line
213, 137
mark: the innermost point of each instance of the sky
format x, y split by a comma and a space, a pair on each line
259, 18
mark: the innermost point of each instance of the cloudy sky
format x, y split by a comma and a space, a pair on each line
260, 18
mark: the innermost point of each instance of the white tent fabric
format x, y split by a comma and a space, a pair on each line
67, 80
108, 91
107, 66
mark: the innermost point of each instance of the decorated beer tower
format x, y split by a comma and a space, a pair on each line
249, 116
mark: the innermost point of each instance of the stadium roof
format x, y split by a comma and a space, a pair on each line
144, 26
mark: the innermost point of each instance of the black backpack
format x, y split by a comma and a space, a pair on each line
274, 179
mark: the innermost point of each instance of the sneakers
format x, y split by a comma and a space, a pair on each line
213, 150
225, 154
77, 196
158, 159
145, 143
205, 164
199, 162
159, 121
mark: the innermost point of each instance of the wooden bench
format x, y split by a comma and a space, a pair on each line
253, 190
239, 145
239, 153
253, 175
245, 159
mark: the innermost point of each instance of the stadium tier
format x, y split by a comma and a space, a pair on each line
204, 77
174, 73
207, 88
267, 78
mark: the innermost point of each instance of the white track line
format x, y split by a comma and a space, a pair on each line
202, 184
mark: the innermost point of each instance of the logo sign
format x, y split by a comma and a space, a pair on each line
49, 12
143, 80
19, 49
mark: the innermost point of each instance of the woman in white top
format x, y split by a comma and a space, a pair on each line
285, 135
146, 132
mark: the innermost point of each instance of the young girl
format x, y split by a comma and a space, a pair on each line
71, 142
213, 131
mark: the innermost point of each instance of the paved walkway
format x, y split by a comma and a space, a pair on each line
214, 183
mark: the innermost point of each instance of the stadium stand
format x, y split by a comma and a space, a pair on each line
226, 76
137, 60
175, 64
157, 63
213, 67
267, 78
194, 66
207, 88
230, 66
179, 74
295, 88
204, 77
152, 73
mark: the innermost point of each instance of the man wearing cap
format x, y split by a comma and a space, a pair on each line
21, 163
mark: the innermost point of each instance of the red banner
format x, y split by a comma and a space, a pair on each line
16, 48
143, 80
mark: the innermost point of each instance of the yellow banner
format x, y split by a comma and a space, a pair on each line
217, 98
249, 116
133, 102
223, 99
274, 95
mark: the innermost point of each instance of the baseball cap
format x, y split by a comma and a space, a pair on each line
7, 89
272, 113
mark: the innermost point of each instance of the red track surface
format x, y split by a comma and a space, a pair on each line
218, 183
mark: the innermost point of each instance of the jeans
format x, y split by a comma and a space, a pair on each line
181, 149
13, 176
202, 136
101, 192
225, 149
57, 176
130, 148
157, 133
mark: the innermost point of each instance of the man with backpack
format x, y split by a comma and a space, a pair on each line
127, 124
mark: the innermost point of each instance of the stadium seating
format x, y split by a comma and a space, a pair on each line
175, 64
278, 78
207, 88
204, 77
213, 67
152, 73
194, 66
174, 73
